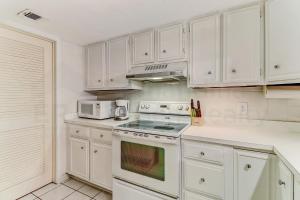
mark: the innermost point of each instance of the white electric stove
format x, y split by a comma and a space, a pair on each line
146, 152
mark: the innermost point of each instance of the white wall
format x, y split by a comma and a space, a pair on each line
71, 89
221, 102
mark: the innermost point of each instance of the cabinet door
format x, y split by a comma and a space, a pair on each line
242, 46
79, 158
205, 51
252, 174
171, 42
143, 47
283, 182
118, 62
282, 32
95, 66
297, 189
101, 165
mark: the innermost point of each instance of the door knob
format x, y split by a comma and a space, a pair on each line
248, 166
146, 53
280, 182
202, 180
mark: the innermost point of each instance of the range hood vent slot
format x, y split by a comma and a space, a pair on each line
159, 72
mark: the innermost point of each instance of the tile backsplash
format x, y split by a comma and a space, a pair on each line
218, 102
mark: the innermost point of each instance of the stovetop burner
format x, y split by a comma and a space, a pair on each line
154, 126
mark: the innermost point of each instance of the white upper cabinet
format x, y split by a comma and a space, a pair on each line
95, 65
252, 174
118, 62
143, 47
205, 51
242, 46
282, 41
171, 42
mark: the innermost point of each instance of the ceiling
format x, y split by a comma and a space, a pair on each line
86, 21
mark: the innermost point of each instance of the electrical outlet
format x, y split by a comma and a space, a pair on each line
243, 109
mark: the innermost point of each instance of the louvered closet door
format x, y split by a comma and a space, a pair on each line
26, 113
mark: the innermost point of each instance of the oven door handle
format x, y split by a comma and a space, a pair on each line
152, 138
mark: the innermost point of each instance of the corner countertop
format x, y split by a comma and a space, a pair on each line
105, 123
281, 138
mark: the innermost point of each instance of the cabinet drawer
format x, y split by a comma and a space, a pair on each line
193, 196
202, 151
204, 178
101, 135
78, 131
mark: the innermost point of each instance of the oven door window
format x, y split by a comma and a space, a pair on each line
87, 109
143, 159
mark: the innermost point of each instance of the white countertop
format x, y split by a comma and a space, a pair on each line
282, 138
105, 123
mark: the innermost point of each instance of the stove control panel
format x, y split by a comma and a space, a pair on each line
158, 107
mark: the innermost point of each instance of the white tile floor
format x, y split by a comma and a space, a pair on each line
69, 190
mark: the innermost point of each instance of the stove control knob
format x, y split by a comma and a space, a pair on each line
180, 107
187, 108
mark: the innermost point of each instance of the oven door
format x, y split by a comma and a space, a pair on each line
147, 162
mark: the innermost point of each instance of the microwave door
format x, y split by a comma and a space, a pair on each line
87, 109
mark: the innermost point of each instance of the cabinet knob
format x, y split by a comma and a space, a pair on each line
77, 131
101, 135
280, 182
111, 79
96, 151
248, 166
81, 147
276, 66
209, 72
202, 153
164, 51
202, 180
99, 81
146, 53
233, 70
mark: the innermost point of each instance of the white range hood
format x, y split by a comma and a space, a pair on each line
159, 72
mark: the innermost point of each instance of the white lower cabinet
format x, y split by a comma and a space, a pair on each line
193, 196
79, 158
252, 175
101, 165
90, 154
207, 171
297, 189
283, 182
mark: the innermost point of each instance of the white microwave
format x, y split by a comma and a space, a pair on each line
96, 109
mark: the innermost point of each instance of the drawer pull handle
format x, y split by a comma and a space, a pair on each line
202, 180
77, 131
280, 182
81, 147
202, 153
101, 135
95, 151
248, 166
